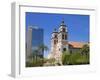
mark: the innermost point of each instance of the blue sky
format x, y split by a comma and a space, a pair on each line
78, 25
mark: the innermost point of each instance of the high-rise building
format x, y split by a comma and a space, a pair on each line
34, 38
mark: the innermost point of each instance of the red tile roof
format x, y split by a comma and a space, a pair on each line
77, 44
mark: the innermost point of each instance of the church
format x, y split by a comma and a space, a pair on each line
60, 43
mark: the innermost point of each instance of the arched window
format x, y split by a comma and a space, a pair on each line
55, 36
64, 49
63, 30
55, 41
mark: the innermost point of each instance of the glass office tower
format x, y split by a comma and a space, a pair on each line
34, 38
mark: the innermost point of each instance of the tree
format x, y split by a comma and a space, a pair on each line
36, 58
65, 58
34, 55
42, 48
85, 49
38, 53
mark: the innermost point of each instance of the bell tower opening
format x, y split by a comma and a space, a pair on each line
63, 30
62, 36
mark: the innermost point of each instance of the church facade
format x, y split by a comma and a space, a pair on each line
60, 43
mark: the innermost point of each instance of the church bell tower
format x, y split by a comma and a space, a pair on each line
59, 42
63, 37
54, 41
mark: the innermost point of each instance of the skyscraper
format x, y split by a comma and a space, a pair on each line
34, 38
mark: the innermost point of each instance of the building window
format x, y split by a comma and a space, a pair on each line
57, 41
63, 29
64, 49
55, 36
59, 49
54, 41
62, 36
65, 36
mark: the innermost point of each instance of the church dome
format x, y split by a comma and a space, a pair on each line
62, 27
63, 24
55, 33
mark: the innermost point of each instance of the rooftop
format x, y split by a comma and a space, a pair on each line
77, 44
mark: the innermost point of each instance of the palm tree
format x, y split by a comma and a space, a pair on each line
38, 53
34, 54
42, 48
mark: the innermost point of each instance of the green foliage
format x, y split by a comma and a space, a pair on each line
34, 62
85, 49
52, 60
81, 57
65, 58
73, 58
42, 48
35, 59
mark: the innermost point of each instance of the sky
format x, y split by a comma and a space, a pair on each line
78, 25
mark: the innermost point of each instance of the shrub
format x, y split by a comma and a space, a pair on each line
34, 62
65, 58
74, 59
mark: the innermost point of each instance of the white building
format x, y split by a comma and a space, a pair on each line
59, 43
